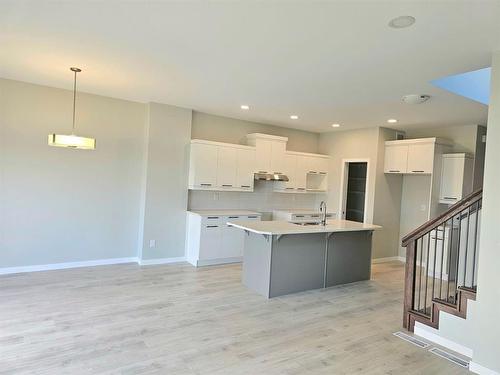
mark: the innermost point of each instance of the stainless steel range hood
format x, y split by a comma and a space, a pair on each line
270, 177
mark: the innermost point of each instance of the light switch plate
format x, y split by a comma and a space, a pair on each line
152, 243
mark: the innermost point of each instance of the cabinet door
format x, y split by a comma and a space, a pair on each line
210, 241
203, 166
245, 169
233, 240
226, 167
452, 175
278, 157
322, 165
263, 149
316, 165
301, 173
420, 158
290, 171
396, 159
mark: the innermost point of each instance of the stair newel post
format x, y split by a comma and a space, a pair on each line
409, 281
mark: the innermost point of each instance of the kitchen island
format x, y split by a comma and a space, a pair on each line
282, 257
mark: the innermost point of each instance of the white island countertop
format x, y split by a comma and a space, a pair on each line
277, 227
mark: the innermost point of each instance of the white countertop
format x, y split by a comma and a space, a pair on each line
285, 227
224, 212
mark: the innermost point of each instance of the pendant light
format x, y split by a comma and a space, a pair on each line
72, 141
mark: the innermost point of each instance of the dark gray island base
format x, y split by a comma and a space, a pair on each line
279, 264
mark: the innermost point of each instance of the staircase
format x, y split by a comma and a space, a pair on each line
441, 264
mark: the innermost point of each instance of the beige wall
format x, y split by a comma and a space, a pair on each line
63, 205
225, 129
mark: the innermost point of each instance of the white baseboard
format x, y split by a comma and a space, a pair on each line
432, 334
481, 370
388, 259
60, 266
150, 262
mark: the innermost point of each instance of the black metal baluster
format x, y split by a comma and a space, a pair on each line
449, 261
427, 271
442, 261
420, 272
475, 244
457, 272
434, 267
466, 246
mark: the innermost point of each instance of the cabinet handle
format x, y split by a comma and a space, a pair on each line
451, 198
299, 215
322, 172
233, 217
212, 217
227, 185
393, 170
212, 226
252, 217
301, 188
313, 172
262, 171
245, 186
418, 171
288, 188
205, 184
277, 173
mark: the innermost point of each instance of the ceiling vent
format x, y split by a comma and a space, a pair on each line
415, 98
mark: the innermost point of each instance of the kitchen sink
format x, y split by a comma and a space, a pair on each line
307, 223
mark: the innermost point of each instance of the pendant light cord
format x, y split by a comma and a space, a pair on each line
74, 103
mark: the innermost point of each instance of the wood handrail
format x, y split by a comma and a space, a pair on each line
444, 217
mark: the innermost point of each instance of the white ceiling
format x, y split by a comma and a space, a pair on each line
328, 62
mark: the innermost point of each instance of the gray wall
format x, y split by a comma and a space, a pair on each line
62, 205
225, 129
383, 192
486, 332
463, 137
165, 181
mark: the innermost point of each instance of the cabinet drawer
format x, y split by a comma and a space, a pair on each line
211, 220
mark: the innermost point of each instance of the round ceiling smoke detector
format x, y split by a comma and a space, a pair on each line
401, 22
415, 98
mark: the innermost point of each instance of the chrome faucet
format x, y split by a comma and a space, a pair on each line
322, 211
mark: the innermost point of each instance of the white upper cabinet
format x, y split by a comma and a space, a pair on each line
221, 166
245, 168
420, 158
317, 165
396, 158
456, 177
270, 152
226, 167
413, 156
278, 157
301, 173
263, 156
203, 166
231, 167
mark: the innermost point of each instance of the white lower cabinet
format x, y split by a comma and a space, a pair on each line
209, 240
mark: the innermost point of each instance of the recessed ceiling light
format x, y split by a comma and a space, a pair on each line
294, 117
335, 125
401, 22
392, 121
245, 107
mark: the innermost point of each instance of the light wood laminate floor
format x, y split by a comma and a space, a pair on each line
176, 319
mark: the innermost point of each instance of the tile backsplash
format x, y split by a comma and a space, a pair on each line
262, 199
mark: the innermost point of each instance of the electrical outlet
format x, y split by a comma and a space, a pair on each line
152, 243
